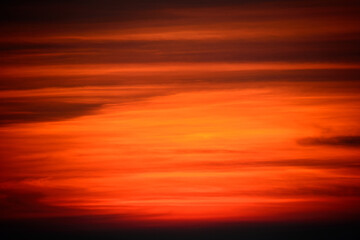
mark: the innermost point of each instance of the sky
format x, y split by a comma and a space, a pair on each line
173, 113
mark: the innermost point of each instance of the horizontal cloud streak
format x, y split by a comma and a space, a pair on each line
59, 104
341, 141
93, 52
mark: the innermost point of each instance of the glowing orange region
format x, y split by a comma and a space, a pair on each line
204, 156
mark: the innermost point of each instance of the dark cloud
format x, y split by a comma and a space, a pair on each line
57, 108
95, 10
22, 203
38, 110
54, 17
33, 16
95, 52
302, 190
350, 79
18, 205
330, 190
340, 141
335, 164
20, 83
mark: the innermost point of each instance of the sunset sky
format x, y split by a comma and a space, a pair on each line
163, 113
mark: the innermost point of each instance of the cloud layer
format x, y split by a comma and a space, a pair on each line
179, 111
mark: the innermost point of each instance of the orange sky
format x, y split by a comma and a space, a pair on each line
181, 113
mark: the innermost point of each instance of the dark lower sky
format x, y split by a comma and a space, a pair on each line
180, 118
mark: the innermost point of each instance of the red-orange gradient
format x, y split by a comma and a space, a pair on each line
135, 120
